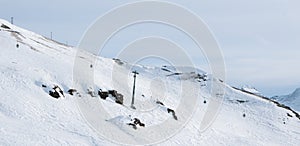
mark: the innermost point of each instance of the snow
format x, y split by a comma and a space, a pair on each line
29, 116
250, 89
292, 100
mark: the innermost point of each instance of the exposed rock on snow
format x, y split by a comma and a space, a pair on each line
28, 116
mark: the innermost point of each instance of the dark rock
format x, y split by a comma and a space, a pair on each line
103, 94
173, 113
159, 102
54, 94
289, 115
241, 101
165, 70
72, 91
138, 122
58, 89
119, 98
133, 125
113, 93
118, 61
4, 26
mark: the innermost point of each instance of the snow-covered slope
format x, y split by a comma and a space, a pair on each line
31, 65
250, 89
292, 100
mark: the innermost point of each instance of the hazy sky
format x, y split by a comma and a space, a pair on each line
260, 39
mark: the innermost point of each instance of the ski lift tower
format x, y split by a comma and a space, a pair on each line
134, 77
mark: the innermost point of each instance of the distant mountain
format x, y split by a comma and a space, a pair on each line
292, 100
39, 102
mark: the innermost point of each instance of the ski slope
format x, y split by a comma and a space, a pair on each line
30, 116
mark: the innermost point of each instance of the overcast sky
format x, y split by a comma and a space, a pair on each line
260, 39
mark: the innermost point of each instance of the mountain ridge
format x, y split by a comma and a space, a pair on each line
31, 116
292, 100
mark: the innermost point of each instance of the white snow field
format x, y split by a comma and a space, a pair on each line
31, 65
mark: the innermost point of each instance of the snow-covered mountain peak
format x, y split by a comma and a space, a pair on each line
296, 93
292, 100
